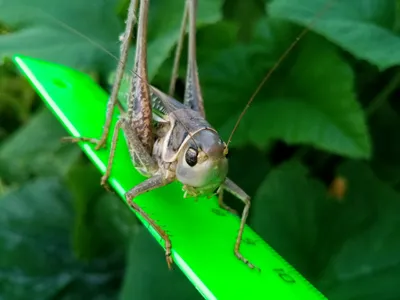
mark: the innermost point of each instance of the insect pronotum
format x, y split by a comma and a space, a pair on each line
182, 145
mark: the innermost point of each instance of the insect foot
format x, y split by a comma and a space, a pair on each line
104, 184
246, 261
99, 144
168, 255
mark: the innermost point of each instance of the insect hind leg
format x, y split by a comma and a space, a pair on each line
124, 51
178, 52
193, 97
143, 159
139, 113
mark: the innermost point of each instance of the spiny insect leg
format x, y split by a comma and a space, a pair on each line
130, 22
235, 190
139, 102
138, 129
126, 41
193, 97
222, 204
152, 183
178, 52
135, 146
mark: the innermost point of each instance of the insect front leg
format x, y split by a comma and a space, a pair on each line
152, 183
124, 50
158, 180
235, 190
221, 202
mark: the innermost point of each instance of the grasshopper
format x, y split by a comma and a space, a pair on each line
169, 140
174, 143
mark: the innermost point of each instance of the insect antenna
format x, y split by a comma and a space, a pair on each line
277, 64
101, 47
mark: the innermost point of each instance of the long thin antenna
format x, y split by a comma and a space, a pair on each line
80, 34
276, 65
98, 45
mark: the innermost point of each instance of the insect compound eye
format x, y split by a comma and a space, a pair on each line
191, 157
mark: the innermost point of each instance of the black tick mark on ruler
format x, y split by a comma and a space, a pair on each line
218, 212
60, 83
249, 241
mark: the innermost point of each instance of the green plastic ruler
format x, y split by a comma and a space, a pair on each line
202, 235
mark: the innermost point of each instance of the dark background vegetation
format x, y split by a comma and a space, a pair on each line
318, 151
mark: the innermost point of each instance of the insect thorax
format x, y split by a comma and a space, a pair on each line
177, 128
188, 129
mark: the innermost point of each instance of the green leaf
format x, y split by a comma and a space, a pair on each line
23, 238
285, 213
230, 76
247, 160
385, 124
36, 261
34, 149
245, 13
348, 249
48, 29
362, 27
311, 106
366, 264
300, 104
97, 210
17, 98
115, 220
39, 33
227, 83
147, 266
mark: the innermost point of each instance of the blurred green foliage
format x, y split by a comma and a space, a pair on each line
318, 150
